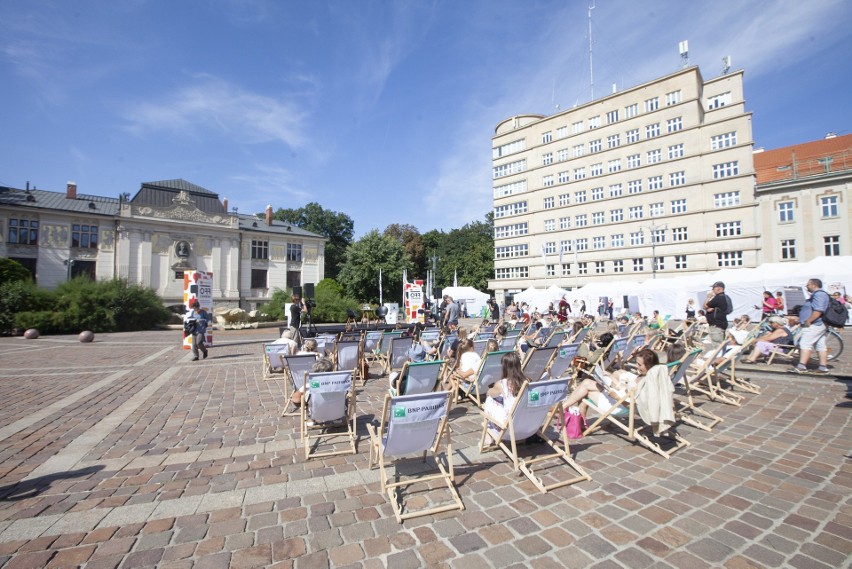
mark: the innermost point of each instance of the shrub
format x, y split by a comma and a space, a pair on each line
275, 308
331, 304
13, 271
21, 296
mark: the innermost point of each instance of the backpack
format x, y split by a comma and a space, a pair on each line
729, 306
835, 315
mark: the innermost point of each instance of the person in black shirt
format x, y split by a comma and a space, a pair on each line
718, 305
296, 309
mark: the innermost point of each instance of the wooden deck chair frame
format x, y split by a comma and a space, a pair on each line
270, 358
347, 357
397, 417
330, 405
625, 407
490, 372
792, 352
727, 372
533, 411
616, 349
381, 352
562, 360
372, 343
556, 338
685, 409
325, 344
297, 367
479, 346
419, 377
537, 361
397, 353
708, 381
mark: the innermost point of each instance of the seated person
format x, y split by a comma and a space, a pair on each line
468, 363
598, 350
288, 338
321, 365
532, 338
501, 395
309, 347
617, 383
779, 334
656, 321
702, 317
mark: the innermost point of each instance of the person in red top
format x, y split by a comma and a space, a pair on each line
769, 304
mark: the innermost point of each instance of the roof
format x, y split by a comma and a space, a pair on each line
41, 199
816, 158
253, 223
163, 193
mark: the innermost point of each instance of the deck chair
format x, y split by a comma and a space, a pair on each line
347, 357
509, 342
271, 364
297, 368
325, 343
533, 411
479, 346
414, 424
556, 338
616, 351
443, 353
788, 352
537, 361
686, 411
490, 372
562, 361
707, 381
329, 406
634, 345
397, 354
484, 335
727, 372
380, 353
416, 378
650, 401
430, 334
580, 335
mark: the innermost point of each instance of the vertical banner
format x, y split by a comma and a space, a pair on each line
198, 285
413, 295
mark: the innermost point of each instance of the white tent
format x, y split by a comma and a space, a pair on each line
540, 299
469, 297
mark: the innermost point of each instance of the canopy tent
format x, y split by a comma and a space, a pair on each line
540, 299
470, 298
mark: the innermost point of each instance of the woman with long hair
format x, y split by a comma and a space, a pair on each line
501, 395
619, 383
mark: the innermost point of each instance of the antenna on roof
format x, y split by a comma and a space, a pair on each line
726, 64
684, 53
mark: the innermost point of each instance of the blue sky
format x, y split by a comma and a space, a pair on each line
383, 110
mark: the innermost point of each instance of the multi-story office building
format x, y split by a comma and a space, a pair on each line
168, 227
651, 181
803, 195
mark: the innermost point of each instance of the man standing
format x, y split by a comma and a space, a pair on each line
718, 305
296, 309
813, 328
195, 324
451, 313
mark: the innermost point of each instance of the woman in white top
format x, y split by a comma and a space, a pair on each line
619, 384
501, 395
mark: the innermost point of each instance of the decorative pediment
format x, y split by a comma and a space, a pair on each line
182, 209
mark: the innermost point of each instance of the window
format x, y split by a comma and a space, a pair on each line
614, 165
546, 137
677, 178
582, 244
674, 125
656, 209
599, 267
580, 197
615, 190
723, 140
511, 251
579, 173
638, 265
516, 229
655, 183
508, 148
577, 127
613, 141
582, 269
658, 235
634, 161
565, 245
659, 263
832, 245
617, 240
509, 169
828, 205
503, 273
726, 199
563, 177
564, 199
562, 155
550, 248
637, 238
550, 270
730, 259
680, 234
788, 249
618, 266
565, 222
258, 278
566, 270
655, 156
598, 242
85, 236
562, 132
579, 150
595, 122
633, 135
596, 169
547, 181
510, 189
675, 151
726, 169
635, 212
581, 220
550, 225
598, 218
549, 202
672, 98
729, 229
652, 104
23, 231
516, 208
597, 193
652, 130
612, 117
631, 111
680, 261
785, 211
294, 252
717, 101
260, 250
86, 269
547, 158
595, 146
634, 187
679, 206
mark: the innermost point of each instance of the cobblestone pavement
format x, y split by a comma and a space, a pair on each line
124, 453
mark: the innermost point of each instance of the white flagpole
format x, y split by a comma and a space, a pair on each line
380, 286
455, 277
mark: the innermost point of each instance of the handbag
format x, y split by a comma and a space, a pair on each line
575, 423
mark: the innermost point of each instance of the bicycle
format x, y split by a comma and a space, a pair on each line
833, 344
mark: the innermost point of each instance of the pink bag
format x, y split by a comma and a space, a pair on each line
574, 425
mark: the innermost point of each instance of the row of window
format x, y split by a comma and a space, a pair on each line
260, 251
829, 207
830, 244
25, 232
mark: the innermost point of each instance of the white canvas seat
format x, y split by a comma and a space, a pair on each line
537, 361
347, 357
556, 338
414, 425
706, 380
686, 410
532, 412
297, 368
329, 407
372, 340
561, 363
416, 377
397, 354
509, 342
446, 345
271, 363
490, 372
616, 350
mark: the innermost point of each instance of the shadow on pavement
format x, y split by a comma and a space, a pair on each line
29, 488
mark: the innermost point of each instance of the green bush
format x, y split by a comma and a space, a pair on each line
21, 296
331, 304
13, 271
275, 309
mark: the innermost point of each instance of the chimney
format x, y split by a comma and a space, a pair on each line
225, 204
269, 215
71, 192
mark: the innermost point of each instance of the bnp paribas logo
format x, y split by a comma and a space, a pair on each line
533, 395
315, 384
398, 412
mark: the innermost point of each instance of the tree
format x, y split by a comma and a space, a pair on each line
469, 253
13, 271
337, 227
412, 242
359, 275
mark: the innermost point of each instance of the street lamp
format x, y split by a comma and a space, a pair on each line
651, 231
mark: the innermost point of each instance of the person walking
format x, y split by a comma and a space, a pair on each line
813, 329
195, 324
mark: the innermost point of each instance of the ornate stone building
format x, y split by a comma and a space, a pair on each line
152, 238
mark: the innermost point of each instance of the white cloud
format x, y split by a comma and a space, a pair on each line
263, 185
